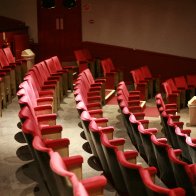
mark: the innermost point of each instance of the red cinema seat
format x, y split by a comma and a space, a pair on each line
111, 76
182, 85
166, 172
110, 147
69, 181
155, 80
181, 138
140, 84
191, 81
171, 96
184, 173
154, 189
191, 142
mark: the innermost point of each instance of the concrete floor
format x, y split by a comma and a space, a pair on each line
17, 174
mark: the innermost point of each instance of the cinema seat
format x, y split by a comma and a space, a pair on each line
85, 120
164, 118
43, 85
84, 61
10, 70
42, 151
166, 172
93, 110
111, 76
96, 132
169, 108
28, 97
182, 85
191, 142
20, 64
69, 183
155, 80
52, 73
134, 126
171, 132
131, 172
184, 173
171, 96
139, 83
145, 135
191, 81
181, 137
125, 115
109, 148
47, 79
156, 190
72, 71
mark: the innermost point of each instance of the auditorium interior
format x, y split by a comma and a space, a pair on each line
97, 98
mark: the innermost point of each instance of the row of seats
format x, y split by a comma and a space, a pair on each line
39, 96
177, 137
173, 171
119, 166
11, 74
145, 82
180, 89
181, 147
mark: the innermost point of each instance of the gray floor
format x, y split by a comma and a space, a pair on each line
16, 163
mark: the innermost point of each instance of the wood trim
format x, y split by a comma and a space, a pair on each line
127, 59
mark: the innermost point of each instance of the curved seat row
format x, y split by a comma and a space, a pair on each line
11, 74
39, 96
119, 166
178, 137
182, 155
158, 152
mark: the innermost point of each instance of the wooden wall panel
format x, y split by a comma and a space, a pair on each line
127, 59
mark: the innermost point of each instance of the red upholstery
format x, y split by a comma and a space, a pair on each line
181, 84
172, 96
154, 189
21, 64
131, 172
191, 80
139, 83
10, 70
110, 74
184, 173
85, 60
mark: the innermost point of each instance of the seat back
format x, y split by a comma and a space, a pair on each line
111, 158
191, 142
185, 177
147, 143
3, 59
134, 124
181, 82
156, 190
96, 137
166, 172
181, 137
9, 55
146, 71
130, 172
85, 120
67, 182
